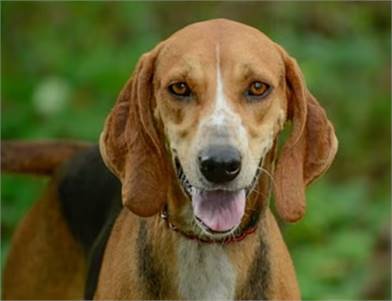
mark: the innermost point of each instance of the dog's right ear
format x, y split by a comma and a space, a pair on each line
132, 146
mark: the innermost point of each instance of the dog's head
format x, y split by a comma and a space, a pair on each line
202, 111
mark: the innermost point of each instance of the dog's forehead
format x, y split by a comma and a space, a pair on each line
232, 44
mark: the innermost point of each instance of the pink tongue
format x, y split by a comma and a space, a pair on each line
219, 210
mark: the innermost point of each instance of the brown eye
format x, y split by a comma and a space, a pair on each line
180, 89
258, 89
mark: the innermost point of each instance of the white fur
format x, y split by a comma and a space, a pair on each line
221, 106
204, 271
222, 112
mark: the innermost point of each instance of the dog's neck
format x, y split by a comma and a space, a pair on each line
216, 270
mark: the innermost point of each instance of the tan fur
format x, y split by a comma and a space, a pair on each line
44, 262
118, 279
145, 125
284, 285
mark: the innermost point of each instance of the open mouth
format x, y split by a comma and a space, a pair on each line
217, 212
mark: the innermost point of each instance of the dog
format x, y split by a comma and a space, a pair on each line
174, 203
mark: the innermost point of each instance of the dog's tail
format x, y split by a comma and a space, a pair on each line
38, 157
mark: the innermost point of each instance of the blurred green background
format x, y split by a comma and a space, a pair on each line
64, 63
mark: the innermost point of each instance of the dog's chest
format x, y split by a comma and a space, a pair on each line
204, 271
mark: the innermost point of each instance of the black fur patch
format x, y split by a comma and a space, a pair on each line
97, 251
148, 269
90, 199
87, 191
259, 275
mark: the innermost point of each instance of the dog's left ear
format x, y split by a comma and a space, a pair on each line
309, 150
131, 144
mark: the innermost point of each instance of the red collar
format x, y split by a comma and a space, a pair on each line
249, 229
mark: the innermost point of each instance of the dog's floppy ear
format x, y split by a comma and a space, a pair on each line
132, 146
308, 151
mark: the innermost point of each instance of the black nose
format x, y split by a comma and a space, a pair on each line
220, 163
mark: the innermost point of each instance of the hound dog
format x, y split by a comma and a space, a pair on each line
193, 141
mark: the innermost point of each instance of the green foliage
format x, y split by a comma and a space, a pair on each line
334, 242
64, 63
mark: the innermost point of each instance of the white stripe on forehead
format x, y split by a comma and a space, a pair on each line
222, 108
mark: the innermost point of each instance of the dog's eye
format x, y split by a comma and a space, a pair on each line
180, 89
258, 90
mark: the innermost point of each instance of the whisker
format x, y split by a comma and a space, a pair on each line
271, 178
262, 169
260, 192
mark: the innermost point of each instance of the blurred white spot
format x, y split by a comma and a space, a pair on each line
51, 96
